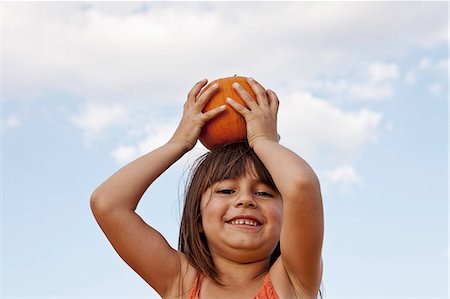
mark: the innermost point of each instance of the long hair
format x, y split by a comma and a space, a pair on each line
225, 162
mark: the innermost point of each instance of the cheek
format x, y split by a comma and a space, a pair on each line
274, 211
212, 210
212, 220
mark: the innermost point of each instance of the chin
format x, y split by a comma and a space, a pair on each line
250, 252
244, 256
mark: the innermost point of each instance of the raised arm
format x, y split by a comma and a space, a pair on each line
302, 231
303, 225
114, 202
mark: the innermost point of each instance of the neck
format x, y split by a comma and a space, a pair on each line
232, 273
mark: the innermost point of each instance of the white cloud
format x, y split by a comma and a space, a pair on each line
410, 77
426, 63
327, 136
160, 134
131, 51
133, 62
371, 82
96, 118
442, 65
343, 175
370, 91
12, 121
152, 136
431, 73
124, 154
324, 133
435, 88
380, 71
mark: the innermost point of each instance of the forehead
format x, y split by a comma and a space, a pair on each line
249, 174
246, 170
231, 164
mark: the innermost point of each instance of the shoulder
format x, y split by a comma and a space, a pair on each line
285, 284
185, 280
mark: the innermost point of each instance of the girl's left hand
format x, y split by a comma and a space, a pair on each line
261, 115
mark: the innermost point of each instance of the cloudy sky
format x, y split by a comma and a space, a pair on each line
87, 87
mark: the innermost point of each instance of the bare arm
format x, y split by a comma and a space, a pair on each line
302, 231
114, 202
124, 189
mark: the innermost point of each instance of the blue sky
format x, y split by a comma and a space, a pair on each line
88, 87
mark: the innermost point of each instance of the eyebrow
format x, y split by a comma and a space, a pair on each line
253, 180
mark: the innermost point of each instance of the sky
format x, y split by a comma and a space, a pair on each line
89, 86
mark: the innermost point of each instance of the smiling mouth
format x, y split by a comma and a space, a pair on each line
244, 222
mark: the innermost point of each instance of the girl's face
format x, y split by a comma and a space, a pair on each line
241, 218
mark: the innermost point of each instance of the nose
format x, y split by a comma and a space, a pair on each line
246, 201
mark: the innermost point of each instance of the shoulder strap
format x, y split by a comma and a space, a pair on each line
195, 290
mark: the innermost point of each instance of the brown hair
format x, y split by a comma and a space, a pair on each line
225, 162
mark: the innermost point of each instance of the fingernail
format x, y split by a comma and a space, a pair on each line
223, 107
215, 85
250, 79
230, 100
235, 84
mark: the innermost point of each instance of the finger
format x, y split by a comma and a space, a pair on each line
260, 92
206, 96
238, 107
192, 95
248, 100
213, 113
274, 103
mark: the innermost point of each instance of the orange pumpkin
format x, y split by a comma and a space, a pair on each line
229, 126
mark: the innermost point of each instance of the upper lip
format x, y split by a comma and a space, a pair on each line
249, 217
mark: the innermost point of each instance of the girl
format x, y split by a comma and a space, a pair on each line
252, 225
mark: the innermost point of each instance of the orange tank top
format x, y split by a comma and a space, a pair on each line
265, 292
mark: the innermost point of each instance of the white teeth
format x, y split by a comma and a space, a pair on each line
244, 222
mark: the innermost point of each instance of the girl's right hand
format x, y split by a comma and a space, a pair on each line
193, 118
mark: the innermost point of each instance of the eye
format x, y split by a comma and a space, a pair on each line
263, 193
225, 191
